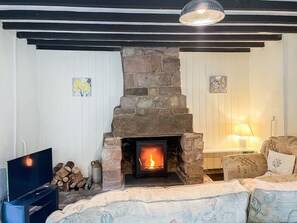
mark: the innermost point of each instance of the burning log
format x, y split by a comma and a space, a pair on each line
68, 177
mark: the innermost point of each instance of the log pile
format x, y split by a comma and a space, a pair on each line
68, 177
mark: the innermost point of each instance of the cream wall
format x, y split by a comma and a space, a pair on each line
6, 105
217, 115
266, 91
27, 99
74, 126
290, 81
18, 100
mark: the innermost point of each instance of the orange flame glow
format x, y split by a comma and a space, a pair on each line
28, 161
152, 162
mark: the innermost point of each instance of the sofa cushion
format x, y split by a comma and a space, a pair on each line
213, 202
280, 163
272, 202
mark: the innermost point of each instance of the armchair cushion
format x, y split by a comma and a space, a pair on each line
243, 166
280, 163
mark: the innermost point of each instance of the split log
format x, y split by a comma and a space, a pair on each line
54, 182
76, 178
75, 170
56, 177
65, 186
81, 183
60, 183
69, 165
65, 179
63, 172
57, 168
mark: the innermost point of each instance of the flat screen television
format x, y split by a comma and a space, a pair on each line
27, 173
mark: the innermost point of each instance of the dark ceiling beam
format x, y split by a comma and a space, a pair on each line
149, 37
134, 17
157, 4
144, 44
146, 28
216, 50
86, 48
78, 48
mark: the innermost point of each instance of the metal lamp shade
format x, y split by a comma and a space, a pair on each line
201, 13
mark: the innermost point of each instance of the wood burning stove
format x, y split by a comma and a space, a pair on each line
151, 158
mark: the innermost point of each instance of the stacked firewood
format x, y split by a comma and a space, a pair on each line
68, 177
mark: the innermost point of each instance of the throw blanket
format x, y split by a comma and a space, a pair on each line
215, 202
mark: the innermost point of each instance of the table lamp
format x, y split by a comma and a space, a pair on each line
243, 131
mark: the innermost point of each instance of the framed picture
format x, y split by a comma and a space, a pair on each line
82, 87
218, 84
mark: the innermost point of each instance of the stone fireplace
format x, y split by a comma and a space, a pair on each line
152, 106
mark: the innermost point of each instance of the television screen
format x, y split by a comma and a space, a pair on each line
29, 172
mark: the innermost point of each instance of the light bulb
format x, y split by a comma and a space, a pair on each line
201, 11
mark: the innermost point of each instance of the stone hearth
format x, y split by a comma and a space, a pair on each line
152, 106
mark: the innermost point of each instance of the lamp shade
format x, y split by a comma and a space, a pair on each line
202, 13
243, 130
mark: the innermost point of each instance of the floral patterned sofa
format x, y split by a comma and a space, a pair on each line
213, 202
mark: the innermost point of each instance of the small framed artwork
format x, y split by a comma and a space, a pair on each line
218, 84
81, 87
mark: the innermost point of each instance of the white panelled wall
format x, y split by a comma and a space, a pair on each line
216, 115
74, 126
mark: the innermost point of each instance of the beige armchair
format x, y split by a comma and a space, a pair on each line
255, 164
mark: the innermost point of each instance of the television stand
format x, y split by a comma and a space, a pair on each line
34, 207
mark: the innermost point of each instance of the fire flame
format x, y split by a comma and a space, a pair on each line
152, 162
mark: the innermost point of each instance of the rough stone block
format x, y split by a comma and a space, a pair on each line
169, 91
161, 102
156, 63
188, 139
124, 111
153, 80
140, 111
188, 179
128, 51
174, 52
112, 175
129, 80
182, 101
149, 51
153, 91
129, 101
191, 156
152, 111
110, 153
136, 64
151, 125
110, 140
192, 169
175, 78
136, 91
145, 102
174, 102
171, 64
111, 165
180, 111
165, 111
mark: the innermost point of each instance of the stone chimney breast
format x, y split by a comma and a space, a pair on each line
152, 104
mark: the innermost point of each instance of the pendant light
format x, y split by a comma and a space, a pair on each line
201, 13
